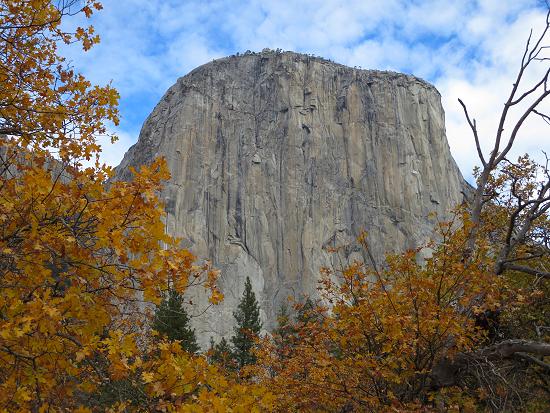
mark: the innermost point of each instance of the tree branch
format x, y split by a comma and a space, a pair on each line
535, 360
508, 348
526, 270
473, 126
447, 370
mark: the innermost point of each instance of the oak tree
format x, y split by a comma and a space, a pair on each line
414, 334
82, 257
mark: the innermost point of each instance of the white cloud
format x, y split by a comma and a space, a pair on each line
485, 86
187, 53
112, 153
468, 48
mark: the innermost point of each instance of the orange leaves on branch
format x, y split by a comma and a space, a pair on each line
385, 331
81, 263
188, 383
81, 257
45, 105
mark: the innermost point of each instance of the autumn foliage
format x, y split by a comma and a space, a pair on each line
436, 328
383, 332
80, 254
456, 325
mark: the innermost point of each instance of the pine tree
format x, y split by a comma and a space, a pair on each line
171, 320
284, 323
221, 354
248, 326
289, 323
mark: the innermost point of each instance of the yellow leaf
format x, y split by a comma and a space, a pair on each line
147, 377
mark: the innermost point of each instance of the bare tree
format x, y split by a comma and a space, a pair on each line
511, 204
528, 205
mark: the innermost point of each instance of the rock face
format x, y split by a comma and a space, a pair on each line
277, 156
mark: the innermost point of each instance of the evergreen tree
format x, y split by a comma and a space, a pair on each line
289, 324
221, 354
284, 323
248, 326
171, 320
306, 312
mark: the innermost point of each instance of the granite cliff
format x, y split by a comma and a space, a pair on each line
276, 156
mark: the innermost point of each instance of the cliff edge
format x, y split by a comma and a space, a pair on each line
277, 156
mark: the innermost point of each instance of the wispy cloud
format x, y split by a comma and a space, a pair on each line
468, 49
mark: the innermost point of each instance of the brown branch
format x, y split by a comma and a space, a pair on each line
544, 116
535, 87
508, 348
525, 257
517, 127
445, 373
526, 270
535, 360
473, 126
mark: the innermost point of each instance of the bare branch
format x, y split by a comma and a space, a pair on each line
508, 348
535, 87
526, 270
473, 126
518, 125
535, 360
525, 257
446, 371
528, 57
544, 117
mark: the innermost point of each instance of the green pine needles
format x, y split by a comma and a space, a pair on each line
248, 327
171, 321
222, 354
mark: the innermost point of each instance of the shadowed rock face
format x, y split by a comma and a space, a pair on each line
277, 156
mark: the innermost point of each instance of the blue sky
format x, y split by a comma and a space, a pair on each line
466, 48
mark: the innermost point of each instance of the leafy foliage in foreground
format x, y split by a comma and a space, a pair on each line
407, 338
386, 332
81, 260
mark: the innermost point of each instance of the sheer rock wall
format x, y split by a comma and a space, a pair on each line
276, 156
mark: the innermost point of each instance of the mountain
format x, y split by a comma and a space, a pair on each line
276, 157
